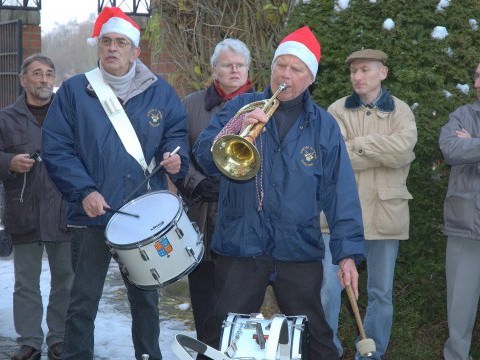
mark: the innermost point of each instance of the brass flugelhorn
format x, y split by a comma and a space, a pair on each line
236, 155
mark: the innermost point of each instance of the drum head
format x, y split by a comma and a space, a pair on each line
156, 211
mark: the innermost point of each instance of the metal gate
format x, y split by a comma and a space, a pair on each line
10, 61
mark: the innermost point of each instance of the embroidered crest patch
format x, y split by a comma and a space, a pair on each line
309, 155
154, 117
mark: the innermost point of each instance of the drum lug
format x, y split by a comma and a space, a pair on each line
179, 232
190, 251
117, 259
259, 333
114, 254
124, 270
196, 227
122, 267
199, 239
298, 327
144, 255
155, 275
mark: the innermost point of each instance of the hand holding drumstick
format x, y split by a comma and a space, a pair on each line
348, 275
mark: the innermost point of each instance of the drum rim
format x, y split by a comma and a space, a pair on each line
152, 237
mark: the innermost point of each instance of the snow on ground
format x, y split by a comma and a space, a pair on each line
112, 327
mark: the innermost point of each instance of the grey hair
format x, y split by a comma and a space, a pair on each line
235, 45
35, 57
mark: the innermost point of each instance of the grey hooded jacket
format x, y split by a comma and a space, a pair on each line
462, 203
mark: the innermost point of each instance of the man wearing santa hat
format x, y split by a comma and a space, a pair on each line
268, 230
97, 168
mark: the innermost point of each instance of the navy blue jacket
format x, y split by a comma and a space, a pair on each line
305, 173
83, 152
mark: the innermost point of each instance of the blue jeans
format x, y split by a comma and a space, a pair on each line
91, 259
331, 293
381, 256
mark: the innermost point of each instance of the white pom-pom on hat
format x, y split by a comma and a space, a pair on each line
92, 41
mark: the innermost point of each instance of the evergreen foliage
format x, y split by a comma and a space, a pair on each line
424, 72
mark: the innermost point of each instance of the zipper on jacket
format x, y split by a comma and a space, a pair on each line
23, 186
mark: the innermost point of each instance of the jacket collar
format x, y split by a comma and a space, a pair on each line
268, 93
212, 98
385, 103
476, 105
308, 105
21, 102
143, 79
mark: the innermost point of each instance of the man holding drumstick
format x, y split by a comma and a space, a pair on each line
97, 163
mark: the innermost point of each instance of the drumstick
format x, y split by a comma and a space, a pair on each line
116, 211
147, 178
174, 151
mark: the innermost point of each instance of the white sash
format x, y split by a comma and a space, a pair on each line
118, 118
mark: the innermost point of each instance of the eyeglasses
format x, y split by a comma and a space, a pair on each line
232, 66
120, 43
39, 74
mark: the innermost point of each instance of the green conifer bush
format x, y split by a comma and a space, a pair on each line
427, 72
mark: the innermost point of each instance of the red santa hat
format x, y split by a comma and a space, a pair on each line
114, 20
303, 44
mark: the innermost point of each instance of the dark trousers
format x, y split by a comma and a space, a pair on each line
91, 259
200, 283
240, 285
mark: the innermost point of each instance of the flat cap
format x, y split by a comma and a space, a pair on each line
367, 54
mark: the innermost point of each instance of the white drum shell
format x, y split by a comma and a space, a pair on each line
235, 329
160, 246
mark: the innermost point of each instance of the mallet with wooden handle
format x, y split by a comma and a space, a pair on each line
366, 347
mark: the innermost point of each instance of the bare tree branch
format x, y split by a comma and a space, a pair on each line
188, 30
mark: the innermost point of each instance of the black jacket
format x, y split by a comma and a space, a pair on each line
34, 209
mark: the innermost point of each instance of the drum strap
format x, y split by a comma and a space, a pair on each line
118, 118
278, 339
182, 342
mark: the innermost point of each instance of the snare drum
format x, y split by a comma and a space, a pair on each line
241, 334
159, 246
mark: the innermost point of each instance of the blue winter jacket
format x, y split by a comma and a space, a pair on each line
83, 152
309, 171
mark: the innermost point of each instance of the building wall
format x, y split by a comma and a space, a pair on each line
31, 38
20, 37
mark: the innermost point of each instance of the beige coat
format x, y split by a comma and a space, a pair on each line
380, 145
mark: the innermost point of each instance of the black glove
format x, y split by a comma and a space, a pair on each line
207, 189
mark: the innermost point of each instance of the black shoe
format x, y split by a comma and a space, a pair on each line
26, 352
55, 351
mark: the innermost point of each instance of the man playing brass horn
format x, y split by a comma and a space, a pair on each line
267, 230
